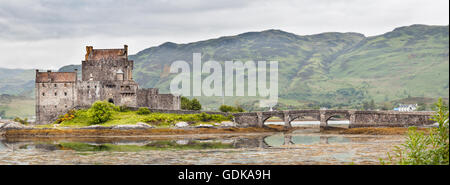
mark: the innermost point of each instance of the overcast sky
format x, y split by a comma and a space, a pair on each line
48, 34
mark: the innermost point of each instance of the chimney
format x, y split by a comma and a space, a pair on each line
88, 51
76, 75
125, 47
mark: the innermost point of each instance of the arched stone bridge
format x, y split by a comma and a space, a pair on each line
356, 118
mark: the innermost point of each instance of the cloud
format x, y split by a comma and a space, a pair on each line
35, 27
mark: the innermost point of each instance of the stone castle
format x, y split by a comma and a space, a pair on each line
106, 75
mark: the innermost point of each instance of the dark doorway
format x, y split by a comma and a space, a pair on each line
111, 100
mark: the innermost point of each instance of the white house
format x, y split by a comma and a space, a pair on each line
406, 108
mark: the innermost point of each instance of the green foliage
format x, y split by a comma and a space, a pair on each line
22, 121
185, 103
421, 106
122, 108
143, 111
421, 149
100, 112
168, 119
68, 116
228, 108
193, 104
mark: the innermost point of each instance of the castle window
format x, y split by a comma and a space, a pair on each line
95, 87
43, 94
65, 93
55, 85
56, 94
43, 85
65, 85
88, 86
55, 106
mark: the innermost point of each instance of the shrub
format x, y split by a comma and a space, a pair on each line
143, 111
195, 104
122, 108
68, 116
227, 108
100, 112
187, 104
420, 149
22, 121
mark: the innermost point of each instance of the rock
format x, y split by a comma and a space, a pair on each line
6, 125
144, 125
182, 142
204, 126
181, 124
95, 127
227, 124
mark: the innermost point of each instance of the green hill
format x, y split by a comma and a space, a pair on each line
331, 69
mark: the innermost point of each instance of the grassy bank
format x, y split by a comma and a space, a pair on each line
80, 118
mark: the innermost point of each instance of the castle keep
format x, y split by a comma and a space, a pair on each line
106, 75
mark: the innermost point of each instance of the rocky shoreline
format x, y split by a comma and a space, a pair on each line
14, 129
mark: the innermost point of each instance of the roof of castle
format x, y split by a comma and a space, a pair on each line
56, 77
98, 54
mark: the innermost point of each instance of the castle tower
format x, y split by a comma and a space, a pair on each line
55, 94
102, 64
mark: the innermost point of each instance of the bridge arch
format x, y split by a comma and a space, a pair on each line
330, 114
266, 116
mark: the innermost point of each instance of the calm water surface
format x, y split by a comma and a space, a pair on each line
303, 146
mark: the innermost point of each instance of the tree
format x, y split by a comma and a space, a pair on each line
100, 112
228, 108
372, 105
365, 105
195, 104
185, 103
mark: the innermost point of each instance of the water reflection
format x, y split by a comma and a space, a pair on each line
282, 139
104, 144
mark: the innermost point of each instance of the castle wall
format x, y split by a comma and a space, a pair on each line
152, 99
105, 69
50, 105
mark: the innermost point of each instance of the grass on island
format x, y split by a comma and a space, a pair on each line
159, 120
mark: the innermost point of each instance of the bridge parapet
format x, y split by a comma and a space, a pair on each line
356, 118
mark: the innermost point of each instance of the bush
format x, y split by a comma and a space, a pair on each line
100, 112
122, 108
22, 121
227, 108
193, 104
420, 149
68, 116
143, 111
165, 118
